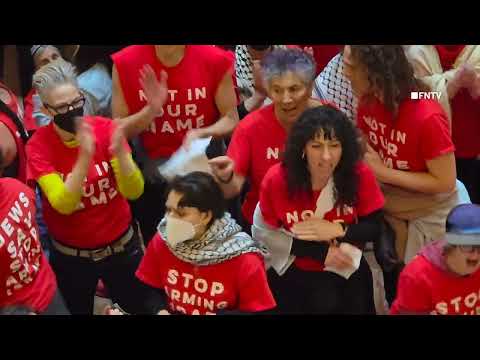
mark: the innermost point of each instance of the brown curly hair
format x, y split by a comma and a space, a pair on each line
389, 72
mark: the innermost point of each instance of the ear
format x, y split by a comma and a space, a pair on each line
206, 217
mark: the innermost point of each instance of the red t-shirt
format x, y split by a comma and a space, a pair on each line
424, 288
418, 134
103, 214
257, 143
26, 277
8, 122
281, 211
236, 284
465, 109
192, 86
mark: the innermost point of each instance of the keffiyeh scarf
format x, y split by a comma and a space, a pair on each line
224, 240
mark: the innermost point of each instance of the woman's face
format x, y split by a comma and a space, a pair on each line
463, 260
355, 73
323, 155
191, 214
63, 98
48, 55
289, 95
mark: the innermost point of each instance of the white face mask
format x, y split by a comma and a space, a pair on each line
179, 230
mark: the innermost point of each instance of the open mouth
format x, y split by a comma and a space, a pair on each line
472, 263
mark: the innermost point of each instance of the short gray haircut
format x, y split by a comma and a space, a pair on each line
280, 61
37, 50
58, 72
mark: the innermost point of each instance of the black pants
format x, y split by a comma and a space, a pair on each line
322, 292
468, 172
77, 278
57, 306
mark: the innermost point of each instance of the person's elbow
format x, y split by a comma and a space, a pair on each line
445, 185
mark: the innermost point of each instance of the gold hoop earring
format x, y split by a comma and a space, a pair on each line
303, 155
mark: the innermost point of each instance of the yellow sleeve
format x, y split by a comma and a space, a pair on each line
130, 186
59, 197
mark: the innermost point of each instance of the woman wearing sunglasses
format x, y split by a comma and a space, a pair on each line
86, 173
444, 278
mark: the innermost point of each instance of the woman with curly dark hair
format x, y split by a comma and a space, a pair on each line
317, 210
410, 149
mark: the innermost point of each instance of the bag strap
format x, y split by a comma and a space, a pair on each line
18, 123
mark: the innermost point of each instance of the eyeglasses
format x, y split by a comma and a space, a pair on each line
469, 249
63, 109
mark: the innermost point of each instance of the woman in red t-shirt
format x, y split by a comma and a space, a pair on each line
86, 173
444, 279
26, 278
454, 71
195, 98
12, 135
410, 149
200, 260
317, 210
258, 141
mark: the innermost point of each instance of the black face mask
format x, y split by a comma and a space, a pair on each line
67, 121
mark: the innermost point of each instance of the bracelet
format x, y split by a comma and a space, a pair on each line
228, 180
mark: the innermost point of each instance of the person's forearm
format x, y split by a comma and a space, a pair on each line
129, 177
415, 181
74, 183
138, 122
224, 126
367, 229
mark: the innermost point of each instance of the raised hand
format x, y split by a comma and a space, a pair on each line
155, 91
86, 138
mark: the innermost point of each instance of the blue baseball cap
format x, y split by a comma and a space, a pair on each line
463, 225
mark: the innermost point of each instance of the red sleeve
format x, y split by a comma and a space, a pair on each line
435, 138
370, 196
254, 292
413, 296
239, 150
38, 160
150, 270
266, 203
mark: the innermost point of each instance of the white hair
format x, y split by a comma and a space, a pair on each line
58, 72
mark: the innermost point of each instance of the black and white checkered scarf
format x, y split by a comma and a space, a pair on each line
244, 69
222, 241
331, 85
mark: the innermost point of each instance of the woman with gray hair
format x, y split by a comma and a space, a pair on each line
84, 168
258, 141
35, 116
